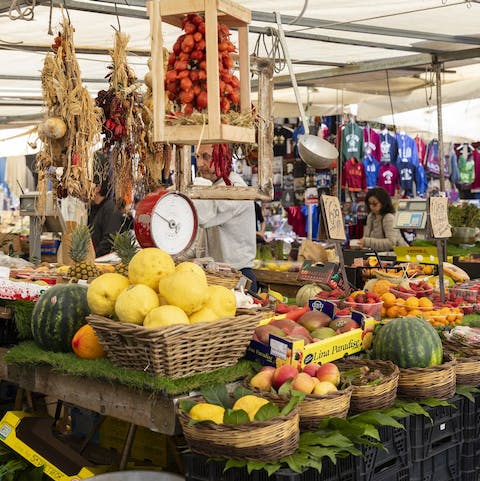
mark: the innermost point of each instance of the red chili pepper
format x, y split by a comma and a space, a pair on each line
282, 308
296, 314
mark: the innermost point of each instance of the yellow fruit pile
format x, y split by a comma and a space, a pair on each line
419, 307
158, 294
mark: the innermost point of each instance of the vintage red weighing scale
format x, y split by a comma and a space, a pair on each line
167, 220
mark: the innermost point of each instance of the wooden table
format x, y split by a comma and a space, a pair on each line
141, 408
283, 282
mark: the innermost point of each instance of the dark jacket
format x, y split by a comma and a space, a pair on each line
105, 219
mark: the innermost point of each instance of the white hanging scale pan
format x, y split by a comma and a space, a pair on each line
167, 220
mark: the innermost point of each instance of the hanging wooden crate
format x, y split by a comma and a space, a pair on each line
210, 129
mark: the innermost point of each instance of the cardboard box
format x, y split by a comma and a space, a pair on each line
10, 243
282, 351
31, 437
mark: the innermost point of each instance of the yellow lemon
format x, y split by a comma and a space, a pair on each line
103, 292
207, 412
425, 302
205, 314
186, 290
188, 266
149, 265
221, 301
164, 316
135, 302
250, 404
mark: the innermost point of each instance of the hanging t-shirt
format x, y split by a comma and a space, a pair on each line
407, 172
388, 178
421, 181
421, 149
371, 166
352, 141
407, 149
389, 147
432, 160
371, 142
466, 170
353, 176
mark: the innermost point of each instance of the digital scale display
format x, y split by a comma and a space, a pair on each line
411, 214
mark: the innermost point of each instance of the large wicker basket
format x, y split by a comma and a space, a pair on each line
228, 279
176, 351
258, 440
468, 362
380, 396
424, 382
314, 407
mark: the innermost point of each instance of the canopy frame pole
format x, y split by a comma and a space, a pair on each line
438, 84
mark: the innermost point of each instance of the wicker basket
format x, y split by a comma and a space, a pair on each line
424, 382
228, 279
314, 407
468, 362
368, 397
258, 440
176, 351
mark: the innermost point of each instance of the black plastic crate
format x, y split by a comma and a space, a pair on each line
471, 418
200, 468
376, 463
443, 466
427, 438
471, 475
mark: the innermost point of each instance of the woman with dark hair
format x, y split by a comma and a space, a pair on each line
379, 233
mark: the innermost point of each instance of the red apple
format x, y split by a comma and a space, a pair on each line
311, 369
329, 372
283, 374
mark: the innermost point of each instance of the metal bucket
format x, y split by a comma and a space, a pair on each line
316, 152
138, 476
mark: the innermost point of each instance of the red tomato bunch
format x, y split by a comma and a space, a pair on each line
186, 76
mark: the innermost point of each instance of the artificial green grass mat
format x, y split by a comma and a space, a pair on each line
28, 353
452, 249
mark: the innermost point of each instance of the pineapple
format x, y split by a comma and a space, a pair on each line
125, 246
80, 243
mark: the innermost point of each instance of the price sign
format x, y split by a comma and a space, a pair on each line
439, 218
317, 274
332, 212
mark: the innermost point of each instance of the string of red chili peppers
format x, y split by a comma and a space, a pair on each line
222, 162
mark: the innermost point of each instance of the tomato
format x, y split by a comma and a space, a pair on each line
224, 105
197, 36
186, 83
188, 43
202, 100
171, 86
194, 76
196, 89
223, 46
171, 75
227, 62
197, 55
228, 89
171, 96
183, 74
189, 27
201, 28
231, 47
203, 65
184, 56
235, 97
197, 20
186, 96
188, 109
235, 81
171, 59
200, 45
202, 75
180, 65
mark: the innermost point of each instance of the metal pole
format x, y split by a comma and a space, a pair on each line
438, 85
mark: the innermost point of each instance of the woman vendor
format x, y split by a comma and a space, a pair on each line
379, 233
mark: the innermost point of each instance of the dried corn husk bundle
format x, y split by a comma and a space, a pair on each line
71, 126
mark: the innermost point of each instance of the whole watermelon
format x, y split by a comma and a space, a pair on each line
305, 293
58, 314
408, 342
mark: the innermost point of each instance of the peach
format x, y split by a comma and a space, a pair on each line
329, 372
283, 374
303, 382
263, 380
311, 369
324, 387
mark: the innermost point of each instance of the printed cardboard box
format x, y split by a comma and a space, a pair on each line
283, 351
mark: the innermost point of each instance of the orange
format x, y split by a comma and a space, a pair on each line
415, 312
388, 299
401, 312
392, 311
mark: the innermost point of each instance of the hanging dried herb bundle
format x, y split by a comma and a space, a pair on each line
72, 124
156, 162
123, 124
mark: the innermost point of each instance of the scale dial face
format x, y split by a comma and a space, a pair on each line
174, 223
